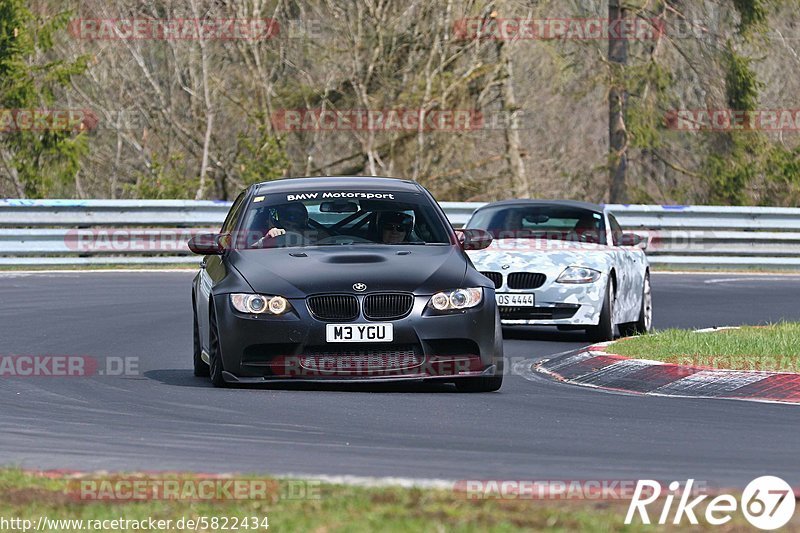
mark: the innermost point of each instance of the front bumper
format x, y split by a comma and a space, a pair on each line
366, 377
293, 346
557, 304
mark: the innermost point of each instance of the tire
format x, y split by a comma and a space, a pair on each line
215, 355
200, 367
604, 330
488, 383
645, 322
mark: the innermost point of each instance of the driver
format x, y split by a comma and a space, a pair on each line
292, 218
586, 230
289, 217
395, 226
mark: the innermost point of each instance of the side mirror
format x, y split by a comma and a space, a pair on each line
474, 239
632, 239
207, 244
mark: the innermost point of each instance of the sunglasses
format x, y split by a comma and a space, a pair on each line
395, 227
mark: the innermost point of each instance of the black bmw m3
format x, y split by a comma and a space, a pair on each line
342, 279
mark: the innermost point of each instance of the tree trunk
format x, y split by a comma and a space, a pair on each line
13, 174
617, 105
520, 185
209, 110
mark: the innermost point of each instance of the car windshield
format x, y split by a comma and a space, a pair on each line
325, 218
541, 222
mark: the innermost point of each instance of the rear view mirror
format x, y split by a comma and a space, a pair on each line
474, 239
536, 218
207, 244
338, 207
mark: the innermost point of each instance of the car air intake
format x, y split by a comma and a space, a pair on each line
538, 313
496, 277
358, 359
387, 306
525, 280
333, 307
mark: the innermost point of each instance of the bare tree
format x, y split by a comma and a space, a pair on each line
617, 105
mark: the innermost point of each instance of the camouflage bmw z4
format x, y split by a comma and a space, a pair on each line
565, 264
343, 279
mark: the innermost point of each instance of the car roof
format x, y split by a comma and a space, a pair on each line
559, 203
374, 183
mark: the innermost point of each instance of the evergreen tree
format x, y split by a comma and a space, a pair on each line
38, 148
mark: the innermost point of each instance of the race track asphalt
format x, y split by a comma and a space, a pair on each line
166, 419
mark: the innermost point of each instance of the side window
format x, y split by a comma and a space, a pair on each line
233, 214
616, 230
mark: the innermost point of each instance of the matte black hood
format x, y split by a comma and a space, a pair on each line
297, 272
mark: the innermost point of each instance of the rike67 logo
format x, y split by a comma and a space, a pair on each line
767, 502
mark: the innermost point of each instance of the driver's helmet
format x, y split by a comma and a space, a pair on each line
397, 221
291, 215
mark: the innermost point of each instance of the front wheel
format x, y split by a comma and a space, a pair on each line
200, 367
215, 354
645, 322
604, 330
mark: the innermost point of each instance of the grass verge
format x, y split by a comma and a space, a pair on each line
333, 508
771, 348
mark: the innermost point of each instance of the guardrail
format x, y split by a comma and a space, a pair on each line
716, 236
82, 232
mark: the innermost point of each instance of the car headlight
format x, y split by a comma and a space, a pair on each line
456, 299
575, 274
257, 304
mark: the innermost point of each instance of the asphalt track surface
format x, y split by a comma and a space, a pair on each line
166, 419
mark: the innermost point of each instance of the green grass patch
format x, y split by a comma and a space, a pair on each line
771, 348
333, 508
